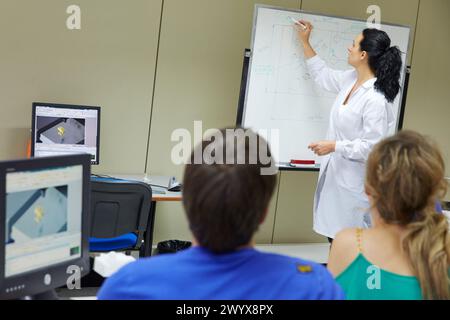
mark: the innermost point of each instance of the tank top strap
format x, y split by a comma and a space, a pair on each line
359, 232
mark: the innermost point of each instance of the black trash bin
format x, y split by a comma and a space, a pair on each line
172, 246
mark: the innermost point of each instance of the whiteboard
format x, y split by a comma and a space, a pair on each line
282, 102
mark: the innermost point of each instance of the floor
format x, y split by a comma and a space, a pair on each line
317, 252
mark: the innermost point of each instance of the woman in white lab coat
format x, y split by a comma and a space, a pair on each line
360, 117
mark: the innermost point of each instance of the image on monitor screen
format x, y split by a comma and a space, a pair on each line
60, 130
36, 213
43, 218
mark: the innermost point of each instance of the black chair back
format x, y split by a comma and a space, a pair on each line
119, 207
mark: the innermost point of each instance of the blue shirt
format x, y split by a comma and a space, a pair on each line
198, 274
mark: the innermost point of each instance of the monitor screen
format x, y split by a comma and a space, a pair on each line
65, 129
42, 218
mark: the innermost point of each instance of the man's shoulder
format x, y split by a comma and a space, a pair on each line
133, 280
312, 278
293, 266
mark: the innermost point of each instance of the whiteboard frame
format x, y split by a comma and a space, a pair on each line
402, 85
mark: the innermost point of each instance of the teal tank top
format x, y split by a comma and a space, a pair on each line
361, 280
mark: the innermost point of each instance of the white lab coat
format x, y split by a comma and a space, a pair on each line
340, 201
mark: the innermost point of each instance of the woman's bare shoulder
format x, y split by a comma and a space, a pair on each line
344, 250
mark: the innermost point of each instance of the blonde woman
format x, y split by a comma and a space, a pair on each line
406, 254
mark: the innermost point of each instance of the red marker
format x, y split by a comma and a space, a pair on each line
304, 162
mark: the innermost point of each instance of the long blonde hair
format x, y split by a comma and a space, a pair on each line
405, 178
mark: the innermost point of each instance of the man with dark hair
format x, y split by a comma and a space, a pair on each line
226, 195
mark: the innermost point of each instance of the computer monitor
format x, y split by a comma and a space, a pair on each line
44, 205
59, 129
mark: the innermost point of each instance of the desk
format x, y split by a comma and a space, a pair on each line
167, 196
158, 194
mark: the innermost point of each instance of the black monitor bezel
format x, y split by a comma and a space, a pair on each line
64, 106
33, 280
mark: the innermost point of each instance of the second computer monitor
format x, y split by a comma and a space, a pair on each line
59, 129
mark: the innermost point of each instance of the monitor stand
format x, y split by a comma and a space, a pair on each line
48, 295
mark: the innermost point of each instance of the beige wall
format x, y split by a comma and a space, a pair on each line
112, 62
198, 78
428, 104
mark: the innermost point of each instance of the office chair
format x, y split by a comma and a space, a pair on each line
121, 216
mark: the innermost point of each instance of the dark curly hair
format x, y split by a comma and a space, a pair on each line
384, 60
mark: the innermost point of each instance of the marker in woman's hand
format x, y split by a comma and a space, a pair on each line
298, 23
313, 145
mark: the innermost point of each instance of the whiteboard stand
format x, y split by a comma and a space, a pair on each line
240, 113
242, 94
404, 94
